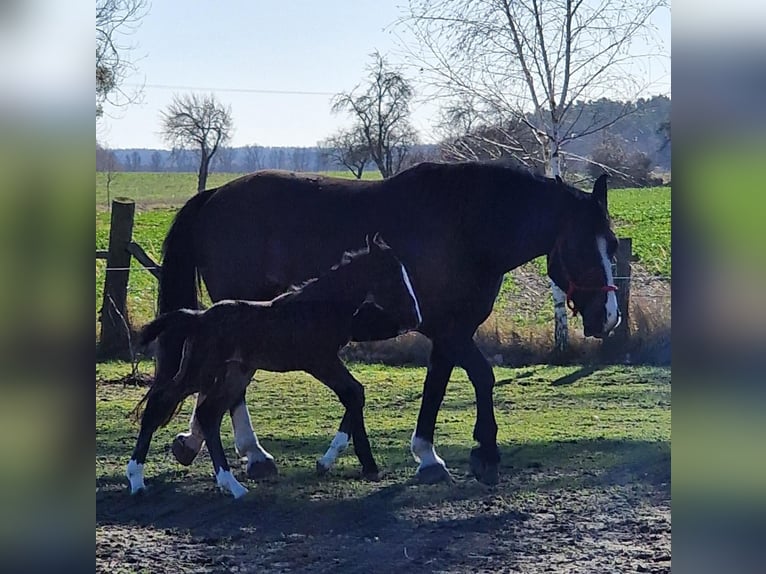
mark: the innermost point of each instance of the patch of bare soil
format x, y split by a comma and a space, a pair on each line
531, 522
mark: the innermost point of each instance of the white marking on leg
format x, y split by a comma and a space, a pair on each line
338, 445
612, 310
135, 474
245, 441
226, 481
408, 283
423, 451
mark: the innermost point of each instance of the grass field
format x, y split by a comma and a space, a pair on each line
585, 475
643, 214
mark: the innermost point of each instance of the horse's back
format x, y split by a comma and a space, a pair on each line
263, 232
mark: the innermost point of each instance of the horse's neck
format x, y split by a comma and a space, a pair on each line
518, 228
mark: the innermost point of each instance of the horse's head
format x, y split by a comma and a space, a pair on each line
390, 287
580, 263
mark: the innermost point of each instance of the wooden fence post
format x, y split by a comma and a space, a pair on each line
623, 258
115, 324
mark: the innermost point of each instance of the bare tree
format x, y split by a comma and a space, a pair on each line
106, 162
116, 20
200, 123
531, 61
348, 148
381, 112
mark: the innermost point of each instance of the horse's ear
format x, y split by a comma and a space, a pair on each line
599, 190
559, 180
369, 242
379, 241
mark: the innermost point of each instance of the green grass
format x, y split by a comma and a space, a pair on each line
170, 189
565, 423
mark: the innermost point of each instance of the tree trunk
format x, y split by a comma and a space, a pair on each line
204, 165
561, 327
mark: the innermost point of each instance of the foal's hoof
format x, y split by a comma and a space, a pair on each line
262, 469
484, 471
322, 469
182, 453
433, 474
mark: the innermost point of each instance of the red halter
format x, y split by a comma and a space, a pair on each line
572, 286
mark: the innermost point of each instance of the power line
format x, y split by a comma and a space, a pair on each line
235, 90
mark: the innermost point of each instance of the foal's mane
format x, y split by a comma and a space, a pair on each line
298, 288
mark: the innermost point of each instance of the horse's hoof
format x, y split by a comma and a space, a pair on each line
433, 474
484, 471
262, 469
322, 469
372, 475
182, 453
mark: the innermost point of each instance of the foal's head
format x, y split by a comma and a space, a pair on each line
580, 263
388, 284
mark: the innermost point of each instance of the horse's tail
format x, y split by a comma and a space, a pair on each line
179, 278
169, 391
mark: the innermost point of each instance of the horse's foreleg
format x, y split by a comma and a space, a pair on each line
186, 446
260, 463
338, 445
431, 467
485, 458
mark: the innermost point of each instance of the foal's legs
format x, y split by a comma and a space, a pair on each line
351, 395
432, 468
260, 463
338, 445
158, 407
186, 446
210, 414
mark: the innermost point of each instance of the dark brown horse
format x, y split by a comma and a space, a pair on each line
301, 330
457, 227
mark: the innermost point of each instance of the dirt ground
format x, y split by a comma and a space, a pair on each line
533, 521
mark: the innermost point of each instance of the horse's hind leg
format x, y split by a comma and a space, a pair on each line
260, 463
158, 408
338, 445
186, 446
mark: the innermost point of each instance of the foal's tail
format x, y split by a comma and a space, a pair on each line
169, 390
180, 323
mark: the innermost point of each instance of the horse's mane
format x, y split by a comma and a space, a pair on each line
298, 288
502, 168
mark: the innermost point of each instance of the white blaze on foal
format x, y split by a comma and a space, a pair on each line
612, 311
423, 451
135, 475
408, 283
337, 446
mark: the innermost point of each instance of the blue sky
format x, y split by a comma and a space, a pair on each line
304, 46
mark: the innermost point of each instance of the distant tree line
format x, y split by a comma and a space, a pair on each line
640, 138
